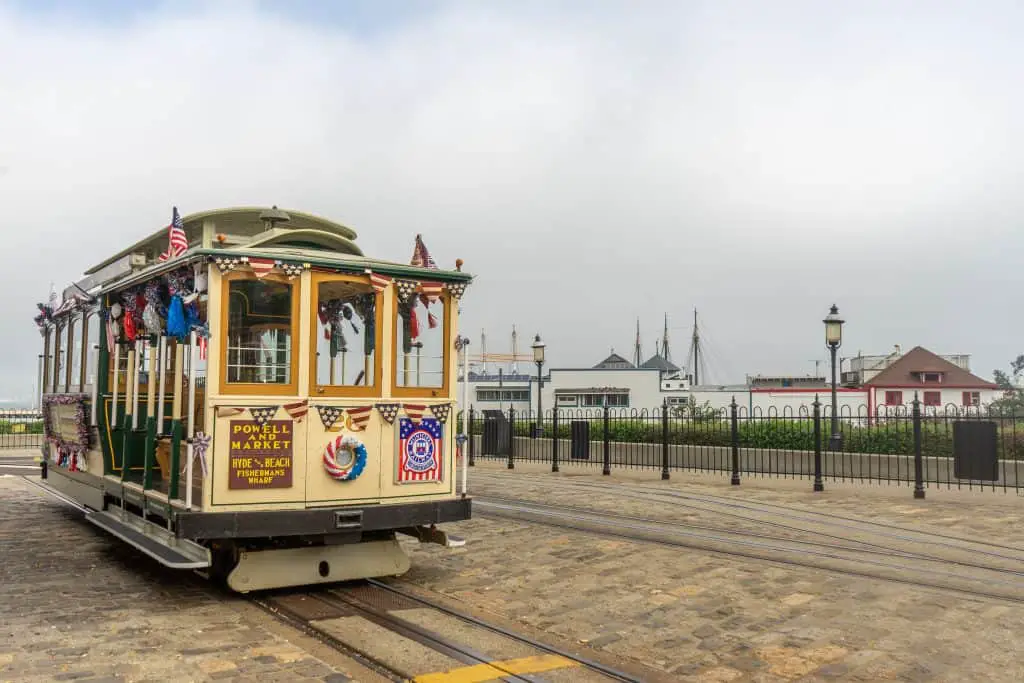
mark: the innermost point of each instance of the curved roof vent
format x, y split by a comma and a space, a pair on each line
272, 216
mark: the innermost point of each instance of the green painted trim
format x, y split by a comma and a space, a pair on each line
126, 431
344, 263
175, 459
149, 457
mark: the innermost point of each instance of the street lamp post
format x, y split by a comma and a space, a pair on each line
834, 339
538, 358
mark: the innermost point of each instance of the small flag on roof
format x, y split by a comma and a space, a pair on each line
178, 241
420, 256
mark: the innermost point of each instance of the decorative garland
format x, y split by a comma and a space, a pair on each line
355, 462
69, 454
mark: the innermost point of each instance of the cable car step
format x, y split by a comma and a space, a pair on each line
152, 539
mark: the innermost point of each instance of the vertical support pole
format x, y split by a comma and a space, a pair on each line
472, 448
606, 454
735, 440
117, 372
818, 484
179, 357
95, 386
511, 438
135, 392
466, 431
150, 449
131, 383
554, 434
664, 439
918, 460
162, 364
193, 354
554, 439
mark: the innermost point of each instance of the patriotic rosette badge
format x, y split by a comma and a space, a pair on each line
345, 458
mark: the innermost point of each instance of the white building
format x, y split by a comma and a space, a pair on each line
873, 384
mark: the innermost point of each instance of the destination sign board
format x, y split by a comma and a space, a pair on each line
260, 455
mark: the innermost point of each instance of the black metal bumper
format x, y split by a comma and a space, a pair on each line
313, 522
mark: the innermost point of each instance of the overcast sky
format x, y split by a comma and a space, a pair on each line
592, 162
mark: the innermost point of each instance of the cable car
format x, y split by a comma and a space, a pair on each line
246, 394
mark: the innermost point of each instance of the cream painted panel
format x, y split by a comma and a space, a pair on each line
220, 458
320, 486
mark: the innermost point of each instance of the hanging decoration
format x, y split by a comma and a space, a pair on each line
366, 306
229, 411
345, 458
456, 289
359, 417
292, 270
297, 411
388, 411
200, 444
328, 415
378, 282
441, 411
68, 451
415, 411
261, 267
227, 263
405, 288
262, 413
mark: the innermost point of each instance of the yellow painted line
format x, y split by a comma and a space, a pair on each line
488, 672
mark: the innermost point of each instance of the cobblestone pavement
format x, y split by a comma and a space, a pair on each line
705, 617
80, 605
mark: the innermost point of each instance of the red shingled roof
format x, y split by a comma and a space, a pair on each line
903, 373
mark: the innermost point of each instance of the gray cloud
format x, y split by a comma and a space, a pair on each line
592, 163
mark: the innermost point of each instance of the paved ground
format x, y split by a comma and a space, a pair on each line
710, 618
78, 605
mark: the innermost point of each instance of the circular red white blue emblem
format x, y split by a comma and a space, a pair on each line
419, 452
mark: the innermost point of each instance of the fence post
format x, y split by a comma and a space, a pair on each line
664, 439
818, 484
607, 459
918, 461
735, 437
554, 439
511, 437
469, 431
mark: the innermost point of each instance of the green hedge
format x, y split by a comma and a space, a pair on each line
894, 438
8, 427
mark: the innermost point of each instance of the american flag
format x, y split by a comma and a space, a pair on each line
178, 242
419, 450
420, 256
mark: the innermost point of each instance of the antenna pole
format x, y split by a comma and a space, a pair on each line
696, 349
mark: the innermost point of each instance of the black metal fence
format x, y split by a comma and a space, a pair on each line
920, 446
20, 428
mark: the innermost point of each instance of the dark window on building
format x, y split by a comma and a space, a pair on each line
933, 398
894, 398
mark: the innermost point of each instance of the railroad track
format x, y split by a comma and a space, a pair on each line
814, 521
392, 612
960, 568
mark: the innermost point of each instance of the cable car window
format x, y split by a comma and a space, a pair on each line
48, 360
77, 339
421, 359
346, 335
260, 326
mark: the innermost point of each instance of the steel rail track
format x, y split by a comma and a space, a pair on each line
872, 548
614, 674
816, 517
630, 532
336, 597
